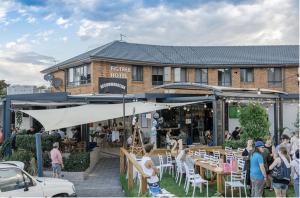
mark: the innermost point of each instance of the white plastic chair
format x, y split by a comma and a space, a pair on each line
229, 157
202, 153
195, 180
196, 153
170, 162
228, 149
240, 150
179, 171
217, 154
162, 166
237, 180
241, 164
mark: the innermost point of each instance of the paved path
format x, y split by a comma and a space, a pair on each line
103, 181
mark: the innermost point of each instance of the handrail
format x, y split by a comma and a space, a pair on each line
132, 162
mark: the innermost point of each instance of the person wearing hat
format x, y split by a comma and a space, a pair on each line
56, 160
258, 173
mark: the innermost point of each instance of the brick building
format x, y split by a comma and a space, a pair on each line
236, 68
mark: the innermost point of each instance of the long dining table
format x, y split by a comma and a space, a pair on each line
206, 165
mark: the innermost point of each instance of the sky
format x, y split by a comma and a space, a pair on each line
36, 34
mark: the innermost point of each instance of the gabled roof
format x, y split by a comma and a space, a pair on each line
187, 55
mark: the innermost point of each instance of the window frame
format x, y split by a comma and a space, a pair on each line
157, 75
182, 77
139, 68
244, 75
200, 70
224, 80
274, 81
81, 75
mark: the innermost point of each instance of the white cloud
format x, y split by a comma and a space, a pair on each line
5, 7
45, 35
31, 20
215, 23
64, 39
19, 45
49, 17
63, 22
91, 29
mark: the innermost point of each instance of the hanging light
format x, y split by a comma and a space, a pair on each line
205, 106
184, 108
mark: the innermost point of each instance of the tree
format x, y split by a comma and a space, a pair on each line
254, 120
3, 86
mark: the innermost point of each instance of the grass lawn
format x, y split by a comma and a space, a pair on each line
168, 183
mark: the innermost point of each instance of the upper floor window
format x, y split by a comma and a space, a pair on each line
201, 76
180, 75
224, 77
157, 75
246, 75
274, 76
137, 73
79, 75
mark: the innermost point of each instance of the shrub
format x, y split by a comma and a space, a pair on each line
23, 156
77, 162
27, 142
254, 120
6, 144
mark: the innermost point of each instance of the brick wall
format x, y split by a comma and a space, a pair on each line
102, 69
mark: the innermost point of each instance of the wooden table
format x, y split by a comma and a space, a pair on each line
206, 166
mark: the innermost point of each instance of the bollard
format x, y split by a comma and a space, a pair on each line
39, 156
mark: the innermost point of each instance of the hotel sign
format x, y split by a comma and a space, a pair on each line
119, 71
112, 85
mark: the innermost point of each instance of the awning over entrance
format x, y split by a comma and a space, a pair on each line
53, 119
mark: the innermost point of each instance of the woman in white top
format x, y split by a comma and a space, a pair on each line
296, 172
148, 166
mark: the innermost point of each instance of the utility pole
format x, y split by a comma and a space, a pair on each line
121, 37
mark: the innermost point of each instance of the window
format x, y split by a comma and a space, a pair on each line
246, 75
274, 76
201, 76
157, 75
180, 75
79, 75
167, 74
224, 77
137, 73
11, 179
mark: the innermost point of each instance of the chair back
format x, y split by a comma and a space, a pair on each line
241, 164
217, 154
202, 153
207, 157
161, 159
228, 149
196, 153
190, 172
240, 150
229, 157
215, 160
169, 158
236, 176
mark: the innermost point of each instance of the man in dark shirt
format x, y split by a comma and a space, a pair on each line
235, 133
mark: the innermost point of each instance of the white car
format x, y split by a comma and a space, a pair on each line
18, 183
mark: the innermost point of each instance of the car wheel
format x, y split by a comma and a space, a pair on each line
61, 195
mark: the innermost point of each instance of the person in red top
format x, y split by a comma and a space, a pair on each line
56, 159
1, 135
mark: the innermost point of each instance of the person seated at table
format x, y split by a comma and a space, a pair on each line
150, 170
115, 134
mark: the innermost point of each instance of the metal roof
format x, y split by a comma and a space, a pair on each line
187, 55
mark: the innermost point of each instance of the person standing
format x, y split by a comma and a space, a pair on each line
285, 142
235, 133
247, 153
258, 174
56, 160
281, 165
296, 172
269, 159
295, 143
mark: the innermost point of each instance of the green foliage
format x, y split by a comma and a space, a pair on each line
46, 159
254, 120
235, 143
77, 162
19, 118
6, 145
27, 142
23, 156
3, 86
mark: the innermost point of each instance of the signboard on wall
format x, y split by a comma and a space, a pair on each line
119, 71
112, 85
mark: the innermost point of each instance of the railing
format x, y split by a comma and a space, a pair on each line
132, 162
